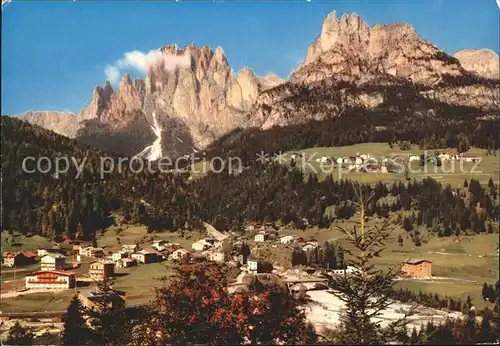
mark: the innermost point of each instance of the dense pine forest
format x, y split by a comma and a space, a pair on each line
65, 207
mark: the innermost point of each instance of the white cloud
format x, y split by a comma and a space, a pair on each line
142, 62
112, 73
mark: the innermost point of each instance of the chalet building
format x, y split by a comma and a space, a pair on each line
52, 261
160, 245
287, 239
179, 255
57, 280
261, 236
349, 270
130, 248
252, 264
256, 266
417, 268
77, 245
15, 259
217, 256
145, 256
201, 245
101, 270
43, 252
126, 263
93, 252
119, 255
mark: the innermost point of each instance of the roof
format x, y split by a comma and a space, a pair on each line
54, 255
416, 261
17, 253
103, 262
57, 272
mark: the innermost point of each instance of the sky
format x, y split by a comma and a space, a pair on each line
55, 53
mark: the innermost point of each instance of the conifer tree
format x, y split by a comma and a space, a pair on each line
367, 291
76, 331
19, 335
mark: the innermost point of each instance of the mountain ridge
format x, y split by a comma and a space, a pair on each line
197, 97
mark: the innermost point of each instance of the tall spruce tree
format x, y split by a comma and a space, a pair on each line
366, 292
76, 331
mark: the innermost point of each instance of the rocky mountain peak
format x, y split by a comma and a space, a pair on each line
125, 82
483, 62
349, 49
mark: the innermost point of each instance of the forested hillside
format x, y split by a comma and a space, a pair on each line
63, 206
405, 115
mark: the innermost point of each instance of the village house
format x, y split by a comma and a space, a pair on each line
119, 255
78, 245
444, 157
287, 239
145, 256
201, 245
261, 236
417, 268
179, 255
347, 271
469, 158
43, 252
217, 256
92, 252
126, 263
252, 264
57, 280
256, 266
309, 246
51, 262
15, 259
130, 248
101, 270
323, 159
159, 245
313, 241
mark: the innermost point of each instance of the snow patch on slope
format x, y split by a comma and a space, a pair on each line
153, 152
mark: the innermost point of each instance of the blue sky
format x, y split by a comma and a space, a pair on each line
55, 53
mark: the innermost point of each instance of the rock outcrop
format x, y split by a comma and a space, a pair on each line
351, 64
193, 91
63, 123
484, 62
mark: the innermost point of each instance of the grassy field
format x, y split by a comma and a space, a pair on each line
462, 258
38, 302
139, 282
455, 290
488, 167
466, 261
126, 234
18, 242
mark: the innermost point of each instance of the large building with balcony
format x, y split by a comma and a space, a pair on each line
57, 280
